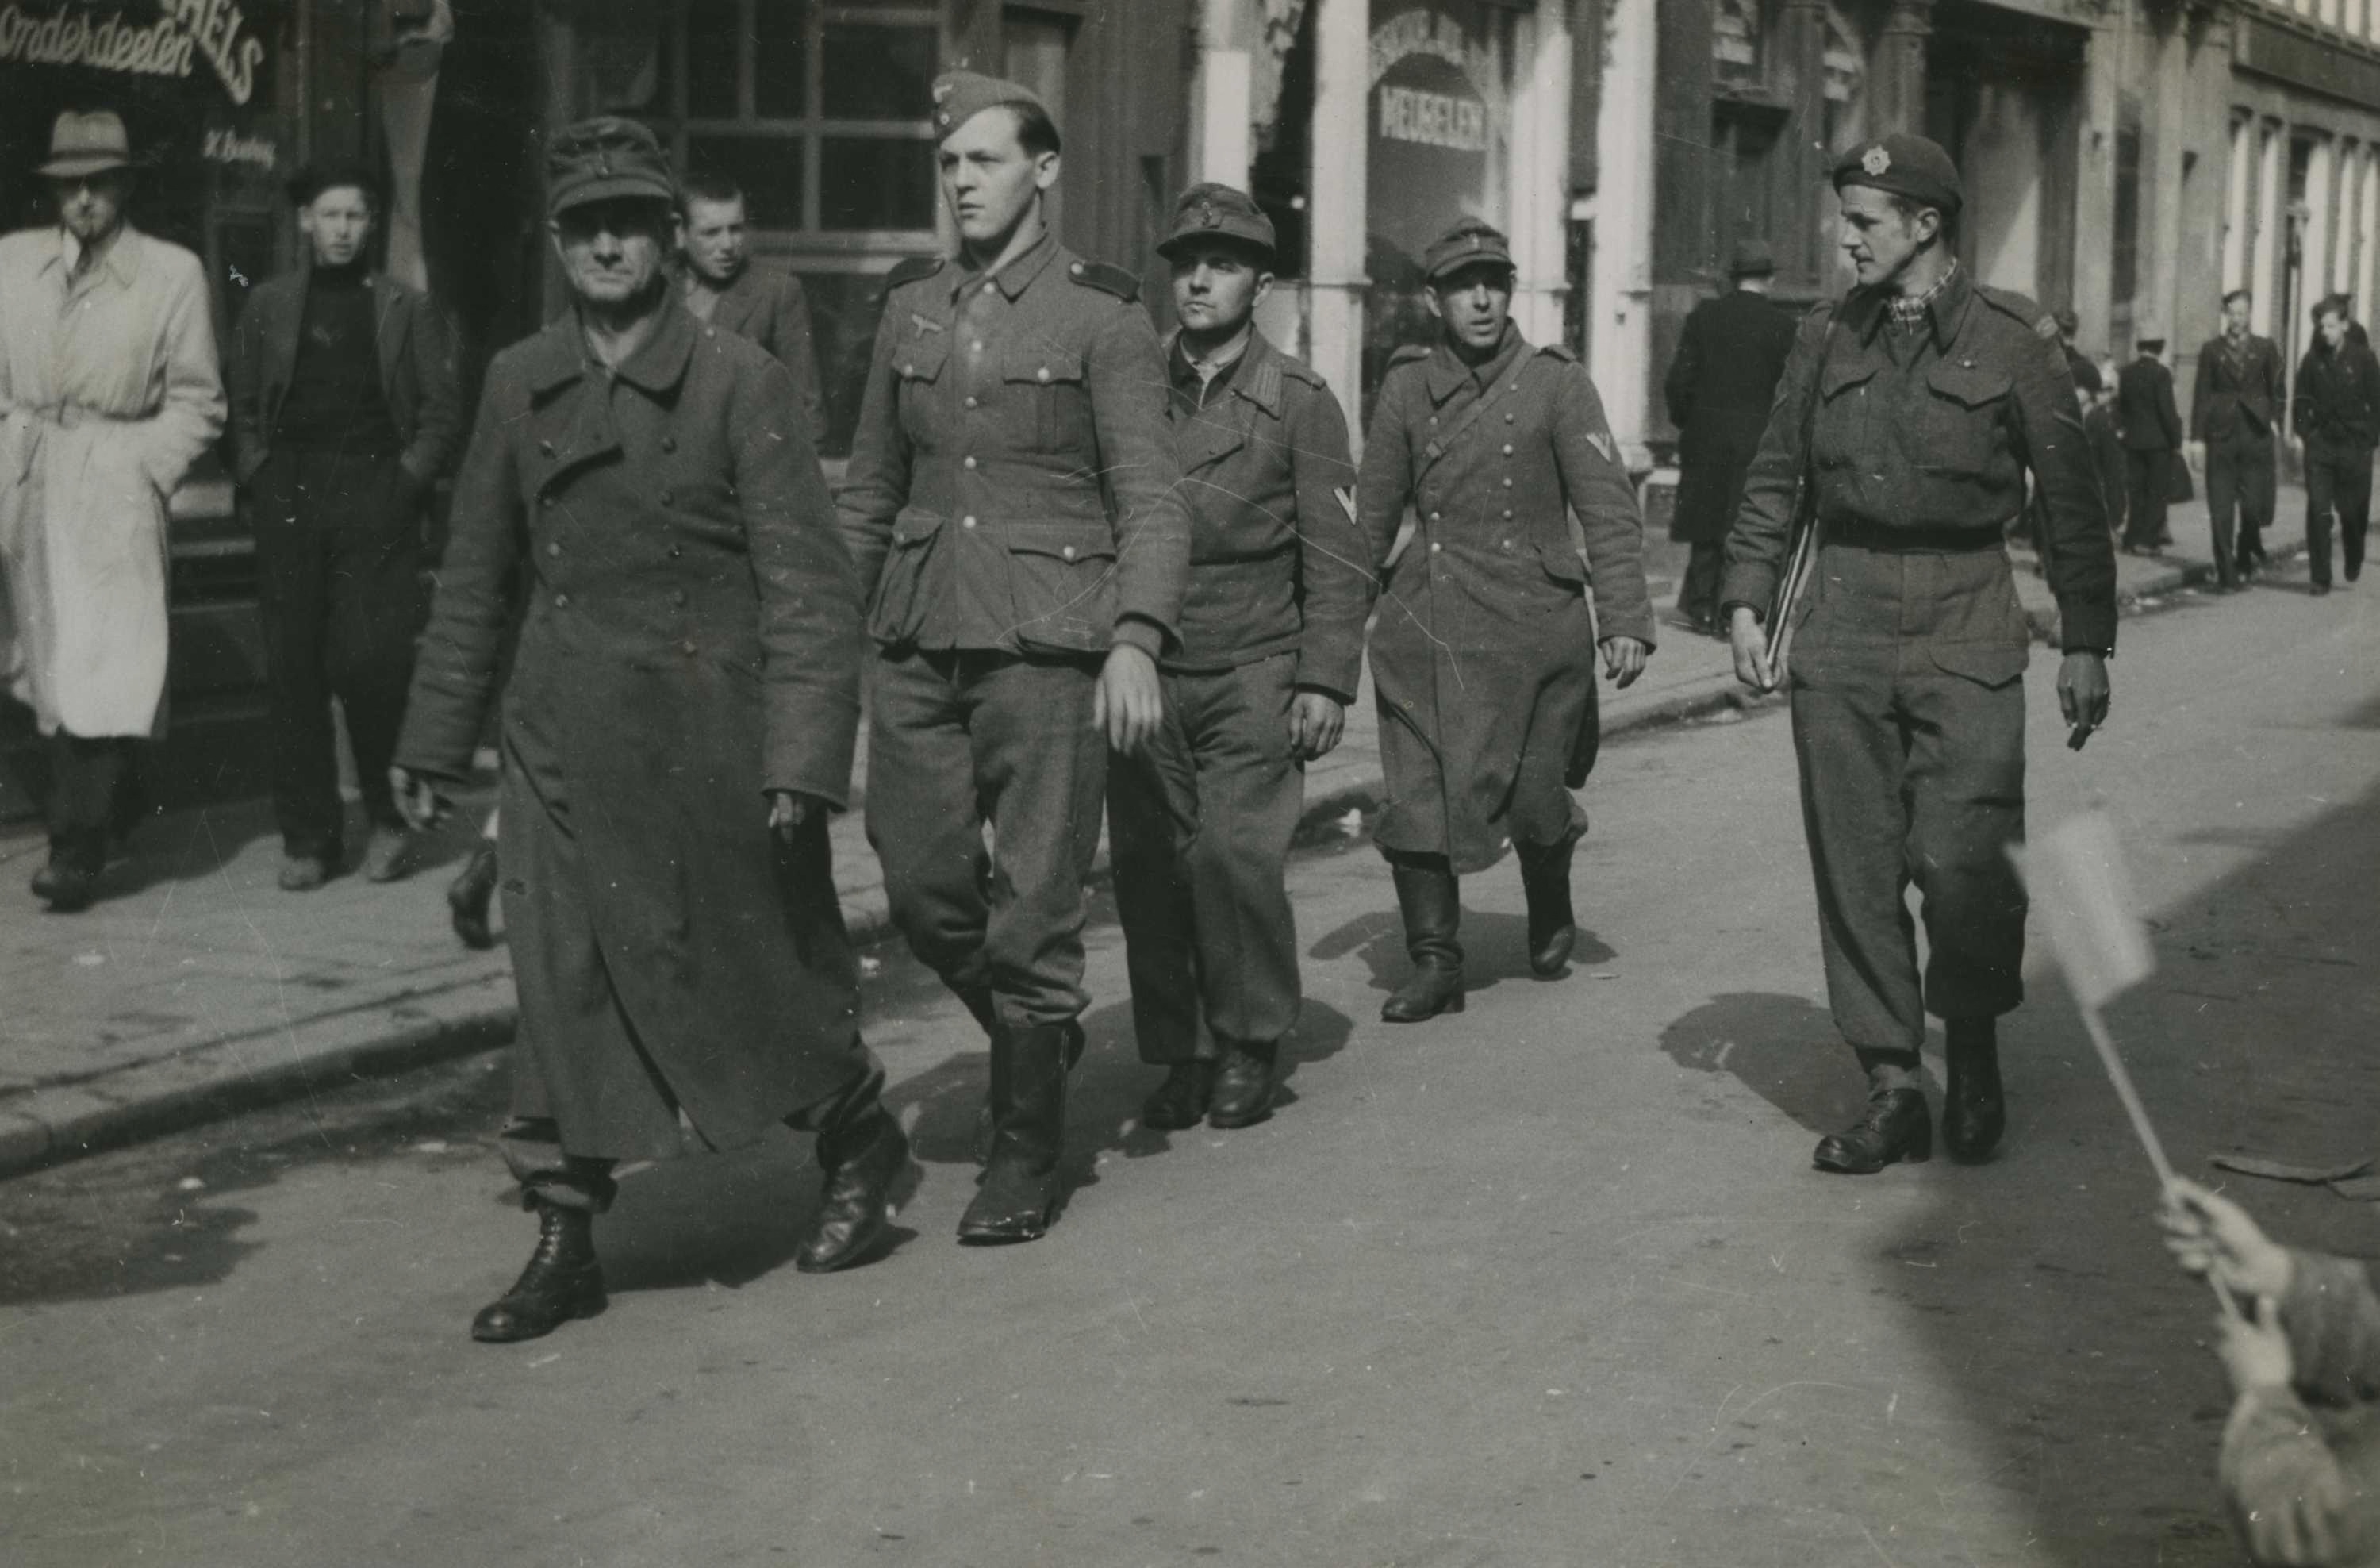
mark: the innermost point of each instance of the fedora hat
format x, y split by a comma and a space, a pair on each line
84, 144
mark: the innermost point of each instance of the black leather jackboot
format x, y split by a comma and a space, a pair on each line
1431, 899
1554, 929
1020, 1183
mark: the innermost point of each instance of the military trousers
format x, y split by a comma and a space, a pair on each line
1908, 703
1198, 832
2240, 480
959, 739
2338, 481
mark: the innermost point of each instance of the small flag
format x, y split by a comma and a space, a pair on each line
2085, 901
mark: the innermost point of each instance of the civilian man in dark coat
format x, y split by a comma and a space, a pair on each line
1484, 648
1719, 390
679, 719
2152, 427
1928, 397
1271, 640
2337, 416
344, 413
1013, 511
725, 287
2235, 409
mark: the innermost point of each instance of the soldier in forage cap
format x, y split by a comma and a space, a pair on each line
1271, 639
679, 719
1024, 548
1484, 650
1912, 410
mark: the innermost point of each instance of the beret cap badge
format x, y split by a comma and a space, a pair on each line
1876, 160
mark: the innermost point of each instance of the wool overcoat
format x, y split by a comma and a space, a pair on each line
1719, 389
691, 640
768, 305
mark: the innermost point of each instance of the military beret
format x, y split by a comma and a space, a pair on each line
1469, 242
1212, 211
1903, 164
959, 96
603, 158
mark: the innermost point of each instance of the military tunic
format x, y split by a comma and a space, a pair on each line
1200, 824
1911, 647
1484, 644
1012, 511
691, 640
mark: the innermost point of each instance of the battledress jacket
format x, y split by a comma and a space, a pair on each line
1483, 644
691, 640
2300, 1466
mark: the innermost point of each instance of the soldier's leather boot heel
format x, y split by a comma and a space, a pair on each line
562, 1280
469, 896
1181, 1101
1020, 1183
1554, 929
1974, 1113
868, 1176
1431, 899
1897, 1127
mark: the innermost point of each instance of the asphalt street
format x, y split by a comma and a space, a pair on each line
1549, 1282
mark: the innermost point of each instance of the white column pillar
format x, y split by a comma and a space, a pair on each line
1540, 179
2272, 229
2367, 266
2238, 216
2320, 195
1222, 142
1622, 267
1335, 279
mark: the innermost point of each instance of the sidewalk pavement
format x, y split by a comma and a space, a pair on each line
196, 987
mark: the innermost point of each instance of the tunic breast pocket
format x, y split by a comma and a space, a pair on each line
917, 366
1961, 424
1051, 402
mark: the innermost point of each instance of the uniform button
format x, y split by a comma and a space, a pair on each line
545, 447
1504, 544
1433, 419
1068, 552
561, 601
1508, 482
966, 522
908, 369
545, 500
676, 552
969, 463
555, 548
1436, 516
970, 403
1042, 374
670, 495
1076, 269
686, 649
977, 346
678, 597
1507, 449
1435, 547
669, 443
1510, 418
1508, 511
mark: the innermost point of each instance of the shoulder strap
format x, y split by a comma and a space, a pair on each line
1107, 279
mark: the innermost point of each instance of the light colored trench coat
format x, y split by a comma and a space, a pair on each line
108, 393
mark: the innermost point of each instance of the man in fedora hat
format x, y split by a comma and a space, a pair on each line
2153, 437
1271, 639
1719, 390
108, 393
678, 721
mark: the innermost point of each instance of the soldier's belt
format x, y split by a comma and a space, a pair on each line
1935, 542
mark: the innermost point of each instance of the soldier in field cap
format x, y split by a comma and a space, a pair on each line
1271, 639
1024, 547
678, 721
1912, 409
1484, 651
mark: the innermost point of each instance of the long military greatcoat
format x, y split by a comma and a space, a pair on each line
1483, 646
692, 638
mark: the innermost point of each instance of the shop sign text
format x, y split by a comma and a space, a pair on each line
183, 32
1433, 119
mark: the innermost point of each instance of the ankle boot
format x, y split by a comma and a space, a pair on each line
1897, 1126
562, 1280
1544, 879
868, 1176
1431, 899
1020, 1183
1974, 1113
470, 894
1245, 1084
1181, 1101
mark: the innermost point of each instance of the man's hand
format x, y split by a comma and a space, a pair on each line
418, 799
1750, 641
2082, 696
2255, 1349
2212, 1236
1623, 661
1128, 704
790, 810
1316, 722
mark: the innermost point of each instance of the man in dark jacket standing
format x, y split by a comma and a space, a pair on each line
679, 719
725, 287
2235, 409
1719, 390
1484, 652
1271, 641
2152, 427
2337, 416
1012, 507
344, 413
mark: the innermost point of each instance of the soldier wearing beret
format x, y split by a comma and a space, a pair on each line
1482, 654
1271, 640
679, 718
1912, 410
1012, 508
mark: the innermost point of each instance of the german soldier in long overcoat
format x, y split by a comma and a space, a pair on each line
1926, 398
1271, 640
1482, 647
680, 715
1013, 511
